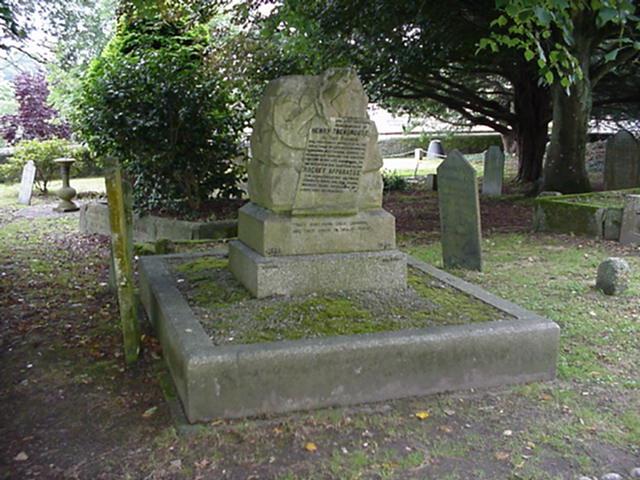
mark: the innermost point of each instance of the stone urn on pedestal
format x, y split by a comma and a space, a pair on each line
66, 193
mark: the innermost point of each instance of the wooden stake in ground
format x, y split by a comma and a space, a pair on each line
121, 220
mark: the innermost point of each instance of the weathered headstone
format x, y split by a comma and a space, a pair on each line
622, 162
613, 276
315, 222
121, 220
459, 213
493, 171
26, 183
630, 226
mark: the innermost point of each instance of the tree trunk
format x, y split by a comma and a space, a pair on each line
532, 105
565, 170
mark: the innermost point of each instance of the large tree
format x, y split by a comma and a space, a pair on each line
412, 54
576, 44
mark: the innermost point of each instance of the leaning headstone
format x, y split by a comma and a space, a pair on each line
315, 222
26, 183
459, 213
613, 276
630, 226
622, 162
121, 221
493, 171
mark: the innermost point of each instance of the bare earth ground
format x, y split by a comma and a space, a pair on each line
70, 408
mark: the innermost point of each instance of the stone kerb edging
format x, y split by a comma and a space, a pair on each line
94, 218
242, 380
567, 214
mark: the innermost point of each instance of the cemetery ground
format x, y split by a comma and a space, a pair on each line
71, 409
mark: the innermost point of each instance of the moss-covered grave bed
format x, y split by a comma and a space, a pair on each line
597, 214
231, 316
606, 199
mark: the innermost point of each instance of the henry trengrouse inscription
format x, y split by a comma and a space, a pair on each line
333, 163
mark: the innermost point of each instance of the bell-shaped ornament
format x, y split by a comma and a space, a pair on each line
435, 149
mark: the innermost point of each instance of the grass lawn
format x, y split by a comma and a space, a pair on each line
73, 410
405, 167
9, 192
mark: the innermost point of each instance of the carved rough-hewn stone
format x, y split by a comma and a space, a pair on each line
303, 115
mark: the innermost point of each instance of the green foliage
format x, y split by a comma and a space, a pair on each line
393, 181
82, 29
548, 31
42, 153
154, 101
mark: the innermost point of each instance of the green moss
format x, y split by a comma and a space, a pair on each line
606, 199
565, 217
202, 274
202, 264
451, 306
313, 317
231, 315
144, 248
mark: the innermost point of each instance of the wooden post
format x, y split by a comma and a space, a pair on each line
121, 220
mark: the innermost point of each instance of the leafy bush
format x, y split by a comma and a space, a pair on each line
393, 181
35, 119
42, 153
153, 101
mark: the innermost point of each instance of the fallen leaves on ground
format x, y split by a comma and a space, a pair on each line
422, 415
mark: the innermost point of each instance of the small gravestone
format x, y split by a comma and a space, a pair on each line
493, 171
431, 182
622, 162
613, 276
26, 184
459, 213
630, 228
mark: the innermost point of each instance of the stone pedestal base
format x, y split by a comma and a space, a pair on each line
326, 273
271, 234
66, 206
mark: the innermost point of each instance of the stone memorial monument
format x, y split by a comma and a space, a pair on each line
493, 171
630, 228
26, 183
459, 213
622, 162
315, 222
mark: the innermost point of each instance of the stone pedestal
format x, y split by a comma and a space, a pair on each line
303, 274
272, 234
67, 192
279, 254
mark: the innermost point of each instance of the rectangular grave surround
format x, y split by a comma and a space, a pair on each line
596, 214
232, 381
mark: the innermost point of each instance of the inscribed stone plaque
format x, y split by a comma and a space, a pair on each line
26, 184
493, 171
314, 148
622, 162
630, 228
332, 167
459, 213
